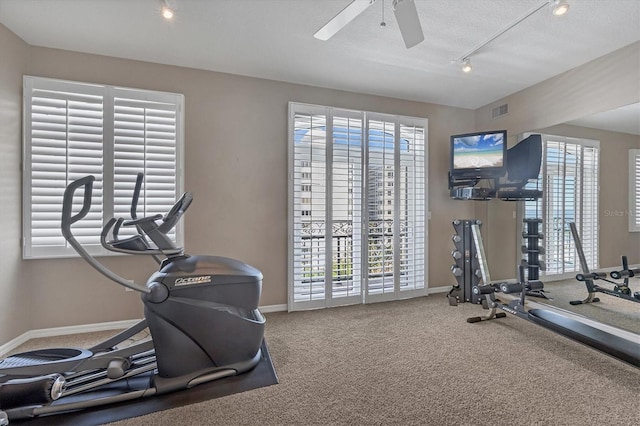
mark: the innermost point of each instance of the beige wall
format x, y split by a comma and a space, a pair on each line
14, 293
608, 82
236, 166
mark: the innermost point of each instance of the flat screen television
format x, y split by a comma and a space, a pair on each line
480, 155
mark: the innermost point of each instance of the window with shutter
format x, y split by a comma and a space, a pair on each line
634, 190
144, 140
74, 129
357, 207
569, 179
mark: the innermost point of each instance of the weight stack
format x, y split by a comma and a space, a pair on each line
466, 268
533, 248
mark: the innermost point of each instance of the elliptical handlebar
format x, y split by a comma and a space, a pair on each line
155, 227
169, 220
132, 245
136, 195
176, 212
67, 204
68, 219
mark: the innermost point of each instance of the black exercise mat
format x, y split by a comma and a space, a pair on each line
262, 375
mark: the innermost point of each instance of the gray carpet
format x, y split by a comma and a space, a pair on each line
418, 362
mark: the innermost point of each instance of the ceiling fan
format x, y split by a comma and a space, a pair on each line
406, 15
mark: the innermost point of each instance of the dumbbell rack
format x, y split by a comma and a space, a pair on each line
467, 268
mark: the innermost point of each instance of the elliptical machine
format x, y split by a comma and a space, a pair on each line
201, 311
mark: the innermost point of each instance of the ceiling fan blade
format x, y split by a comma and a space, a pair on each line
408, 22
353, 9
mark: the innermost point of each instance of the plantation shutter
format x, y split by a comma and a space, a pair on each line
412, 208
381, 201
144, 140
634, 190
346, 207
64, 140
76, 129
396, 208
357, 207
569, 176
587, 216
307, 250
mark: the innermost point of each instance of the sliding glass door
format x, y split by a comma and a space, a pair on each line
357, 207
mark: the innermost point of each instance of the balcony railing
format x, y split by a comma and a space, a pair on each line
380, 250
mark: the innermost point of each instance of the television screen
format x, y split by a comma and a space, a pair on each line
479, 155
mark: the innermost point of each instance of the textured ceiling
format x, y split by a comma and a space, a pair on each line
273, 39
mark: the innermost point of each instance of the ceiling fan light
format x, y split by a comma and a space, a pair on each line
466, 65
559, 7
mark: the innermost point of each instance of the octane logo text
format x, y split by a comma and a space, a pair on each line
192, 280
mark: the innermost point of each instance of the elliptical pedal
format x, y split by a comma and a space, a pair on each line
56, 357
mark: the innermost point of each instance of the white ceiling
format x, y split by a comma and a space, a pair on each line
273, 39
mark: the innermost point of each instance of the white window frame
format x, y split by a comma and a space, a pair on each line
542, 183
634, 190
418, 286
107, 189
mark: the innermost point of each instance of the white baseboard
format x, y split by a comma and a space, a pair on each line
61, 331
12, 344
90, 328
284, 307
435, 290
273, 308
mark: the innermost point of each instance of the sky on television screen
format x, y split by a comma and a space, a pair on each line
485, 142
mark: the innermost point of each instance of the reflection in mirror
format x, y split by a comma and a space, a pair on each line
612, 135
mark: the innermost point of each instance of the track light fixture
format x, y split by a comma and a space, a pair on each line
559, 7
466, 65
165, 10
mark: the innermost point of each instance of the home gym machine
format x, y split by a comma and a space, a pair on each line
523, 161
201, 311
620, 290
618, 343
